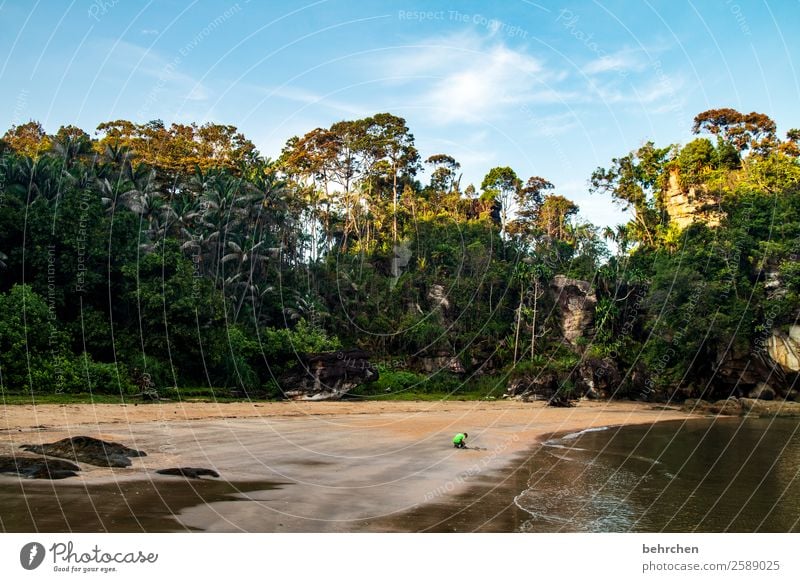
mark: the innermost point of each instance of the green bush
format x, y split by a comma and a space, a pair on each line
77, 375
399, 381
106, 378
283, 345
28, 336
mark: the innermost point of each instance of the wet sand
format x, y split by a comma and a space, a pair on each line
294, 466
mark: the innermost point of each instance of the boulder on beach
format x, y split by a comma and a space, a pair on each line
38, 467
190, 472
89, 450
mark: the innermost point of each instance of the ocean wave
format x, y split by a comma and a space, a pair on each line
574, 435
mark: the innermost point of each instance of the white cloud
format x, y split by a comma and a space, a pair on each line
620, 62
168, 80
661, 94
309, 98
467, 78
555, 124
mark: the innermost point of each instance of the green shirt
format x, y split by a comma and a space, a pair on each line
458, 438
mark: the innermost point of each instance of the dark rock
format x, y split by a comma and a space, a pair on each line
88, 450
38, 467
638, 378
328, 375
190, 472
683, 392
740, 370
560, 401
542, 386
762, 391
596, 378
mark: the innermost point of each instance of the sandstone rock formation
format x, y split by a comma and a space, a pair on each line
784, 348
576, 303
688, 205
328, 375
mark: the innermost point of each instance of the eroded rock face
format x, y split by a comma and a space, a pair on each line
576, 302
89, 450
688, 205
784, 348
740, 371
762, 391
437, 297
328, 375
541, 386
597, 378
433, 364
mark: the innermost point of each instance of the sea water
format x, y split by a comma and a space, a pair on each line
703, 475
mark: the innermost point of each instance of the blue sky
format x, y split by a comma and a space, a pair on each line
549, 88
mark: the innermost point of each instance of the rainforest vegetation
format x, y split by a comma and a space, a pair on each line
179, 256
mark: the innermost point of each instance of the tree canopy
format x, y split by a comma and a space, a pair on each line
180, 254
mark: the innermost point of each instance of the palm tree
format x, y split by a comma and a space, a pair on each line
221, 211
181, 216
144, 199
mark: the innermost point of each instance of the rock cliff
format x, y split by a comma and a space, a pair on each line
784, 348
576, 304
686, 205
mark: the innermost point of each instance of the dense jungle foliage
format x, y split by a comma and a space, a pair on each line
181, 256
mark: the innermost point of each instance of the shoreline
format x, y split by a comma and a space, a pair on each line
313, 467
497, 490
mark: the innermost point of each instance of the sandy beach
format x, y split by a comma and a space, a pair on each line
293, 466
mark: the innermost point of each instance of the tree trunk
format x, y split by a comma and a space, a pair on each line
519, 321
533, 325
394, 209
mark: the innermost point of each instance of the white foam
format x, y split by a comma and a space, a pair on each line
574, 435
